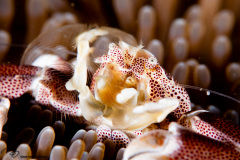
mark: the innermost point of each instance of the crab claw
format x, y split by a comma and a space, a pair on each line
132, 118
177, 143
213, 126
120, 138
17, 80
47, 85
90, 107
4, 108
79, 79
165, 106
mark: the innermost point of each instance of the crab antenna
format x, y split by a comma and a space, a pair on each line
14, 45
54, 49
25, 46
208, 91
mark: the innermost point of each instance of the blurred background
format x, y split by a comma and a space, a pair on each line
196, 41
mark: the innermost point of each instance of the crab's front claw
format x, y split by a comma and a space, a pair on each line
163, 107
120, 138
213, 126
17, 80
138, 117
79, 79
128, 115
90, 107
4, 108
47, 86
177, 143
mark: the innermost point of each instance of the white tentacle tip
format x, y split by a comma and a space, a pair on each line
160, 106
139, 110
126, 95
3, 115
4, 108
5, 102
69, 86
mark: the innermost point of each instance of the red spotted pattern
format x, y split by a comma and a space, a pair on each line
103, 133
195, 147
215, 127
118, 137
142, 68
138, 133
180, 144
16, 80
53, 91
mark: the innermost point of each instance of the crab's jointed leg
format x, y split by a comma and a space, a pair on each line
17, 80
178, 143
46, 85
213, 126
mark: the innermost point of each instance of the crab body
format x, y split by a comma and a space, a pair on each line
134, 89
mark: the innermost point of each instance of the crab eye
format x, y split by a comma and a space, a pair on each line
130, 82
151, 63
152, 60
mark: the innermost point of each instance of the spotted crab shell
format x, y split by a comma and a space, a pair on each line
126, 93
131, 106
178, 143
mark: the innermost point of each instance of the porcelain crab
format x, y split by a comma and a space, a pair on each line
120, 87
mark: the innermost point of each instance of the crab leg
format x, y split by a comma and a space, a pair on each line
213, 126
178, 143
46, 85
16, 80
